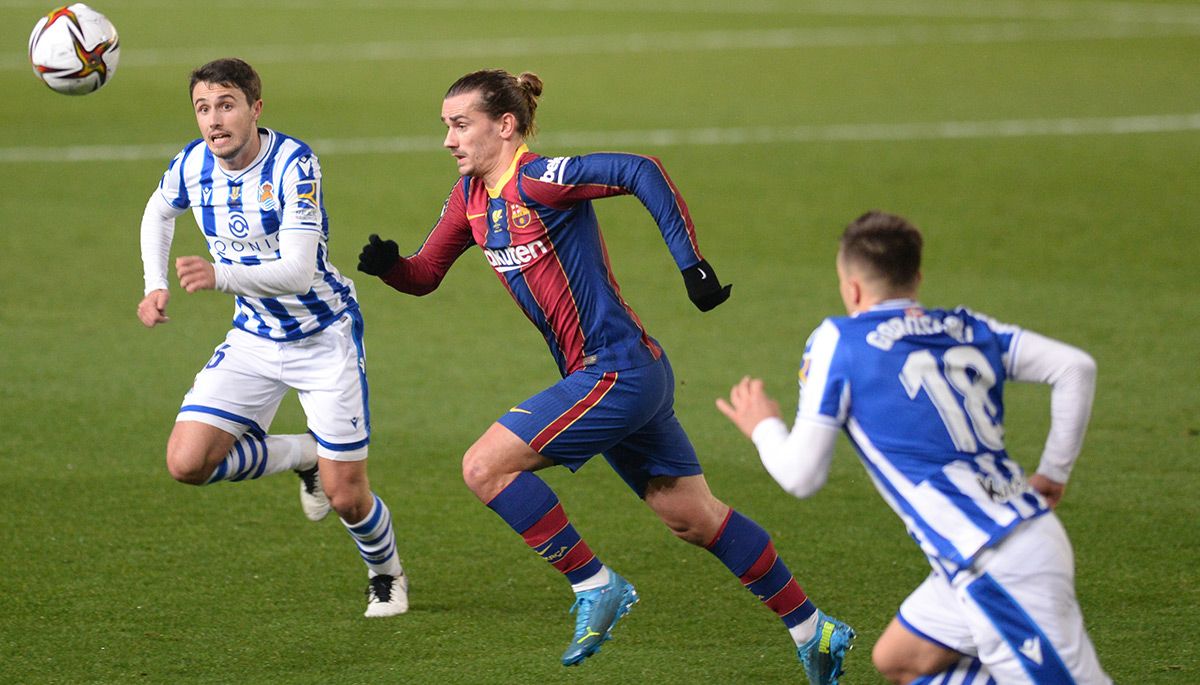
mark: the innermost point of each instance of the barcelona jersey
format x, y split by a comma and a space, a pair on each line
538, 231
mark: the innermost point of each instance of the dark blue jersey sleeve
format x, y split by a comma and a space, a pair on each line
560, 182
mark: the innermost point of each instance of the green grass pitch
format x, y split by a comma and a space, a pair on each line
1048, 150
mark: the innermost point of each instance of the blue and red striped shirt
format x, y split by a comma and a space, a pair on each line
539, 232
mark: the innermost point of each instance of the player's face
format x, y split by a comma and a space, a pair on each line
228, 122
472, 137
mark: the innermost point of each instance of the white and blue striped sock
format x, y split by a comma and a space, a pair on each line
376, 541
254, 456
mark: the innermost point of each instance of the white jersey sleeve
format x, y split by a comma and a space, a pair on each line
1071, 374
799, 460
157, 232
291, 274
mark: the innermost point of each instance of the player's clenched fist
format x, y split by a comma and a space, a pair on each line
152, 310
378, 256
195, 273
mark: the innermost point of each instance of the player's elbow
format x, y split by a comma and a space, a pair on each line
1085, 367
297, 283
805, 488
801, 485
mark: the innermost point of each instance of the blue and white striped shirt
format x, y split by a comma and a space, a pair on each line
242, 214
920, 394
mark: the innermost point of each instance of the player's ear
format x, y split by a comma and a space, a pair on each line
256, 108
508, 125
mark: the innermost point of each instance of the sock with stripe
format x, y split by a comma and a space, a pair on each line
254, 456
746, 550
376, 540
532, 509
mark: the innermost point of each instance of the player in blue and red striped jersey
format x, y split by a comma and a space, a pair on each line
534, 220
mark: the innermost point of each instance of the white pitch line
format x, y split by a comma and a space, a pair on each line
752, 135
947, 9
641, 43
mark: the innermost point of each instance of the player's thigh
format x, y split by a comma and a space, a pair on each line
901, 654
194, 449
1025, 616
239, 388
580, 416
932, 614
328, 371
659, 449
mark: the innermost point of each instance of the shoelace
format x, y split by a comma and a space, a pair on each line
309, 477
583, 618
380, 589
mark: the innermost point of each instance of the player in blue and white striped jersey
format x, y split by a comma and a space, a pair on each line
256, 196
919, 392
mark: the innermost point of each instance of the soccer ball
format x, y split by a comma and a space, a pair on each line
74, 49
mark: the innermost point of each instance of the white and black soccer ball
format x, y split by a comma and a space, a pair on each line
74, 49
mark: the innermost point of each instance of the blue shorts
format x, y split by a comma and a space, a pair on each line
628, 416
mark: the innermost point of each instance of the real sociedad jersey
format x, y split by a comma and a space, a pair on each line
539, 232
241, 215
920, 394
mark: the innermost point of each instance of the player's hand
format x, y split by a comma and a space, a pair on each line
1051, 490
378, 256
703, 288
152, 310
748, 405
195, 273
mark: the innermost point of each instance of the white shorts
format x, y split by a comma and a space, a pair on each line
241, 386
1014, 608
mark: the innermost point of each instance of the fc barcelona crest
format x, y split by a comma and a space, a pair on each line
521, 215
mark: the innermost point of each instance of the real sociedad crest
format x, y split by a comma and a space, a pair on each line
266, 196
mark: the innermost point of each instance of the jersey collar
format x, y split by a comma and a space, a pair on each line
266, 139
512, 168
888, 305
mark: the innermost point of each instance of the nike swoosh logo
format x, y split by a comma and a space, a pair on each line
520, 410
476, 216
703, 275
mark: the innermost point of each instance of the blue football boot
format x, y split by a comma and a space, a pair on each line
596, 612
822, 656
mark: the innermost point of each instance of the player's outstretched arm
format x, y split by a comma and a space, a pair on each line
152, 310
798, 461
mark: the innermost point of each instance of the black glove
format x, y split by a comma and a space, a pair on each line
378, 256
703, 287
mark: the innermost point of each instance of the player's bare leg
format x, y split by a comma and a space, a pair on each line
901, 656
499, 468
195, 449
687, 506
199, 454
369, 522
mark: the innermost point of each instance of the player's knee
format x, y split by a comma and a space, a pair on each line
350, 506
475, 471
187, 468
687, 532
891, 665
